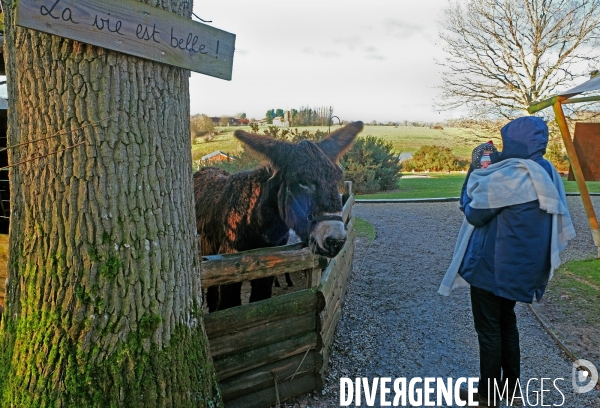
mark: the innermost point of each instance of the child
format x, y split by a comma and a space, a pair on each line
482, 156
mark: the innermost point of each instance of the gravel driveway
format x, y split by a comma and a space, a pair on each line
394, 324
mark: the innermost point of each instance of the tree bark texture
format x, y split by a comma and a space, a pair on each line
103, 297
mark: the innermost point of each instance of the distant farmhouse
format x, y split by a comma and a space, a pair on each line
283, 121
232, 121
280, 122
216, 156
211, 158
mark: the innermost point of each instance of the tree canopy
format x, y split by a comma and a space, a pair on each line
502, 55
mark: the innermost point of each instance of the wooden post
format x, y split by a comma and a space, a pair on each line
313, 277
347, 191
577, 172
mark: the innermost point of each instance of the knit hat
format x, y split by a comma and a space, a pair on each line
480, 152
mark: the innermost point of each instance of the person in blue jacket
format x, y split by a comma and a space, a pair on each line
507, 260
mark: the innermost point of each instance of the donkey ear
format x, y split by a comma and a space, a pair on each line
267, 146
340, 141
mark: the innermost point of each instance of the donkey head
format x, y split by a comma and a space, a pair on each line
306, 176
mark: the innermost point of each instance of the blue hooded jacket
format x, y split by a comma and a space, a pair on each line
509, 250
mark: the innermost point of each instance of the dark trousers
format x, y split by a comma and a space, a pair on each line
499, 351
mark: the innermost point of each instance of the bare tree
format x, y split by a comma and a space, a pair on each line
502, 55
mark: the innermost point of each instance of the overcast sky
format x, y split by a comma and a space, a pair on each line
368, 59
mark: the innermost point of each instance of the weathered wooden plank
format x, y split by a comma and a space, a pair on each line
236, 319
238, 363
262, 335
258, 251
269, 397
264, 376
330, 308
313, 277
336, 302
328, 338
241, 266
331, 318
338, 287
347, 211
332, 271
332, 268
134, 28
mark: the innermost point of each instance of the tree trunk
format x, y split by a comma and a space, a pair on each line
103, 298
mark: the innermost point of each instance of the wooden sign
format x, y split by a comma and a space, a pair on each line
136, 29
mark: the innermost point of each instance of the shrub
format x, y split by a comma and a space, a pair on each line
201, 126
434, 158
556, 155
371, 166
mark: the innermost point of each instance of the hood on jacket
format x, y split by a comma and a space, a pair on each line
524, 138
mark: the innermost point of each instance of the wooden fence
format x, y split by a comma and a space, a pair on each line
268, 351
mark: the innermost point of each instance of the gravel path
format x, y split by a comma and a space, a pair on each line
394, 324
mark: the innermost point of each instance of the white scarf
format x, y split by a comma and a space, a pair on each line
511, 182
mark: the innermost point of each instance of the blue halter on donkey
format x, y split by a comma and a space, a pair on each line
298, 190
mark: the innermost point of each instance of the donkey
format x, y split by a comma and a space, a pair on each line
297, 190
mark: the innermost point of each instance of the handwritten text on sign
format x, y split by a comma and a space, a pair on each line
136, 29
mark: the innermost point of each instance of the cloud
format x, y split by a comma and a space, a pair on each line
321, 53
372, 53
401, 29
330, 54
356, 44
352, 42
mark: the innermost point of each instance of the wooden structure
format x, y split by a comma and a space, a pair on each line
586, 140
556, 102
216, 156
275, 349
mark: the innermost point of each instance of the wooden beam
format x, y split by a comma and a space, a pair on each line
243, 317
269, 397
242, 266
347, 211
261, 335
538, 106
264, 377
238, 363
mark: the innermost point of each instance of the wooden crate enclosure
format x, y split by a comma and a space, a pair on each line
268, 351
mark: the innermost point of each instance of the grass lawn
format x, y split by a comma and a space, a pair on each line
403, 139
364, 230
571, 307
436, 185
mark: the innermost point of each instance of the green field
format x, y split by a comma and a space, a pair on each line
435, 185
403, 139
